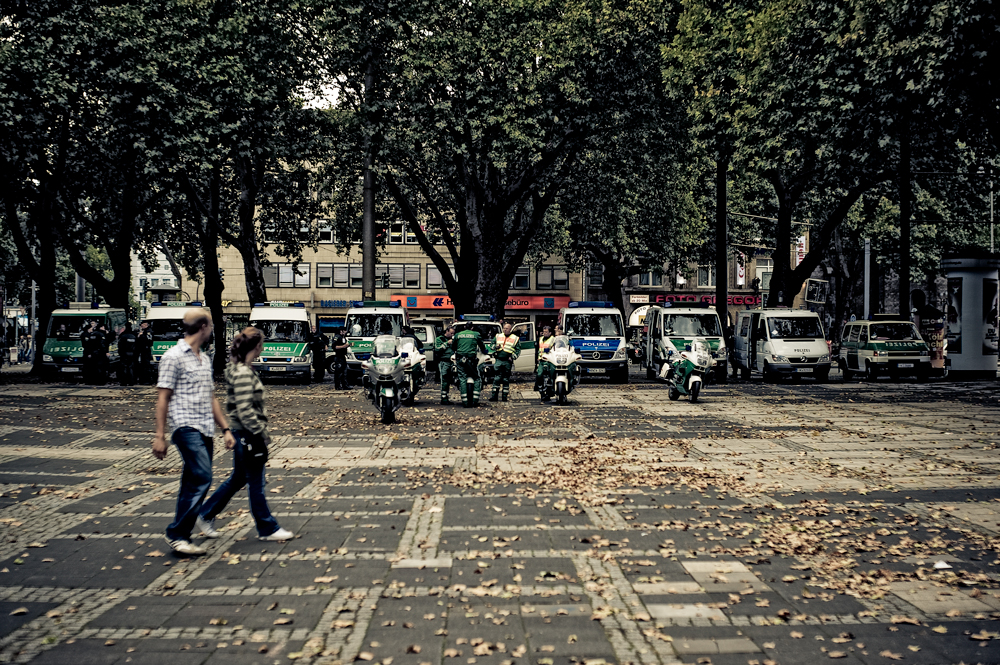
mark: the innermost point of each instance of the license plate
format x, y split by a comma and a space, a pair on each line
277, 369
803, 369
69, 369
595, 370
905, 365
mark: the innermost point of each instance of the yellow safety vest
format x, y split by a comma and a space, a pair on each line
544, 343
506, 343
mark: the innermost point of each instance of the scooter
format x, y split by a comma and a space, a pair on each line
562, 371
384, 378
486, 374
415, 374
685, 371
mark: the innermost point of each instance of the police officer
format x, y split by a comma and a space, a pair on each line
318, 343
103, 364
544, 342
340, 346
407, 333
90, 341
507, 348
443, 348
128, 354
467, 342
145, 352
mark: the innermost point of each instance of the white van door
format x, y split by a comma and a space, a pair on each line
526, 361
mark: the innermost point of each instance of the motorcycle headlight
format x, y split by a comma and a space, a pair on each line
619, 354
825, 358
721, 353
778, 359
46, 358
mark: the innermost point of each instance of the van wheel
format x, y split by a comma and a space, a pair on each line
745, 373
822, 377
869, 372
768, 374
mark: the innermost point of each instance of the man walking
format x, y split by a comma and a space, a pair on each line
340, 346
318, 343
443, 348
507, 348
467, 342
186, 406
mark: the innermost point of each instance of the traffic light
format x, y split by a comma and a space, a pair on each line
384, 281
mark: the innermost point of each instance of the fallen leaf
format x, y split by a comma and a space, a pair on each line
413, 648
940, 629
19, 611
283, 622
797, 635
154, 553
366, 655
890, 655
837, 654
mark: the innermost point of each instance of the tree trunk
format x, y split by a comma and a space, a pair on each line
721, 241
781, 293
253, 272
905, 197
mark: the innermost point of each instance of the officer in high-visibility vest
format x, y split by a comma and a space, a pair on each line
507, 347
443, 348
467, 343
544, 341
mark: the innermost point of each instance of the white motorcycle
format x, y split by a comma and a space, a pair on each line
384, 379
560, 371
684, 371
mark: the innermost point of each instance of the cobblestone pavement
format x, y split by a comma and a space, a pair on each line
765, 524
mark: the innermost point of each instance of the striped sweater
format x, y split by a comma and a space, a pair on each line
245, 399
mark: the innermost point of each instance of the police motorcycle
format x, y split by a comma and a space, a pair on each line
685, 370
562, 371
415, 373
384, 380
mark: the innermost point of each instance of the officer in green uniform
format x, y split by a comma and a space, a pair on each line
467, 342
508, 348
443, 348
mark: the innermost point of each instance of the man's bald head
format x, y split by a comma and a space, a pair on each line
195, 320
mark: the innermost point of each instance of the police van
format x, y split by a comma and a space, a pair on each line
672, 328
286, 350
63, 350
166, 323
886, 345
366, 320
781, 341
597, 332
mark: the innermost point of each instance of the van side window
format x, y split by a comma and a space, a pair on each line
863, 337
745, 327
855, 331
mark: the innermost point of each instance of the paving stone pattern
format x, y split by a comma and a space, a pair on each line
766, 524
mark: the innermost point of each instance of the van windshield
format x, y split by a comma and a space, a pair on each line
69, 327
688, 325
794, 326
593, 325
282, 331
901, 331
373, 325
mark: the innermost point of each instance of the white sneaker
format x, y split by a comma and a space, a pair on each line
186, 547
279, 535
207, 528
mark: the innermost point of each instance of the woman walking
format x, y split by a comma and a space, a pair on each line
248, 419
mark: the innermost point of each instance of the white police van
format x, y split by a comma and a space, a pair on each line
366, 320
781, 341
597, 332
286, 348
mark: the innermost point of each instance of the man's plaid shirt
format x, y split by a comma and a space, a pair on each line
190, 377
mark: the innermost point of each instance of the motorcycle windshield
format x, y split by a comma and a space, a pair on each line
386, 347
700, 347
561, 342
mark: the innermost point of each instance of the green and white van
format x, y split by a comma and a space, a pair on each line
365, 321
63, 351
166, 322
678, 327
286, 350
892, 346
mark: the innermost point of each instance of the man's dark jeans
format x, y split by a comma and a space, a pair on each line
249, 473
196, 477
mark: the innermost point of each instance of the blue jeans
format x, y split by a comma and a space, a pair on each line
245, 472
196, 477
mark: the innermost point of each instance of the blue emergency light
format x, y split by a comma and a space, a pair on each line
592, 303
375, 303
477, 317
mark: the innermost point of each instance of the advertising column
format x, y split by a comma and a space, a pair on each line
972, 317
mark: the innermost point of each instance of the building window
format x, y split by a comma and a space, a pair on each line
764, 268
396, 233
357, 276
411, 277
553, 277
284, 275
522, 278
401, 275
325, 234
411, 237
324, 275
706, 277
434, 280
651, 278
595, 275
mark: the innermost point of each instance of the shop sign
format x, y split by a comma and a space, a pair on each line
638, 298
513, 302
334, 303
692, 298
